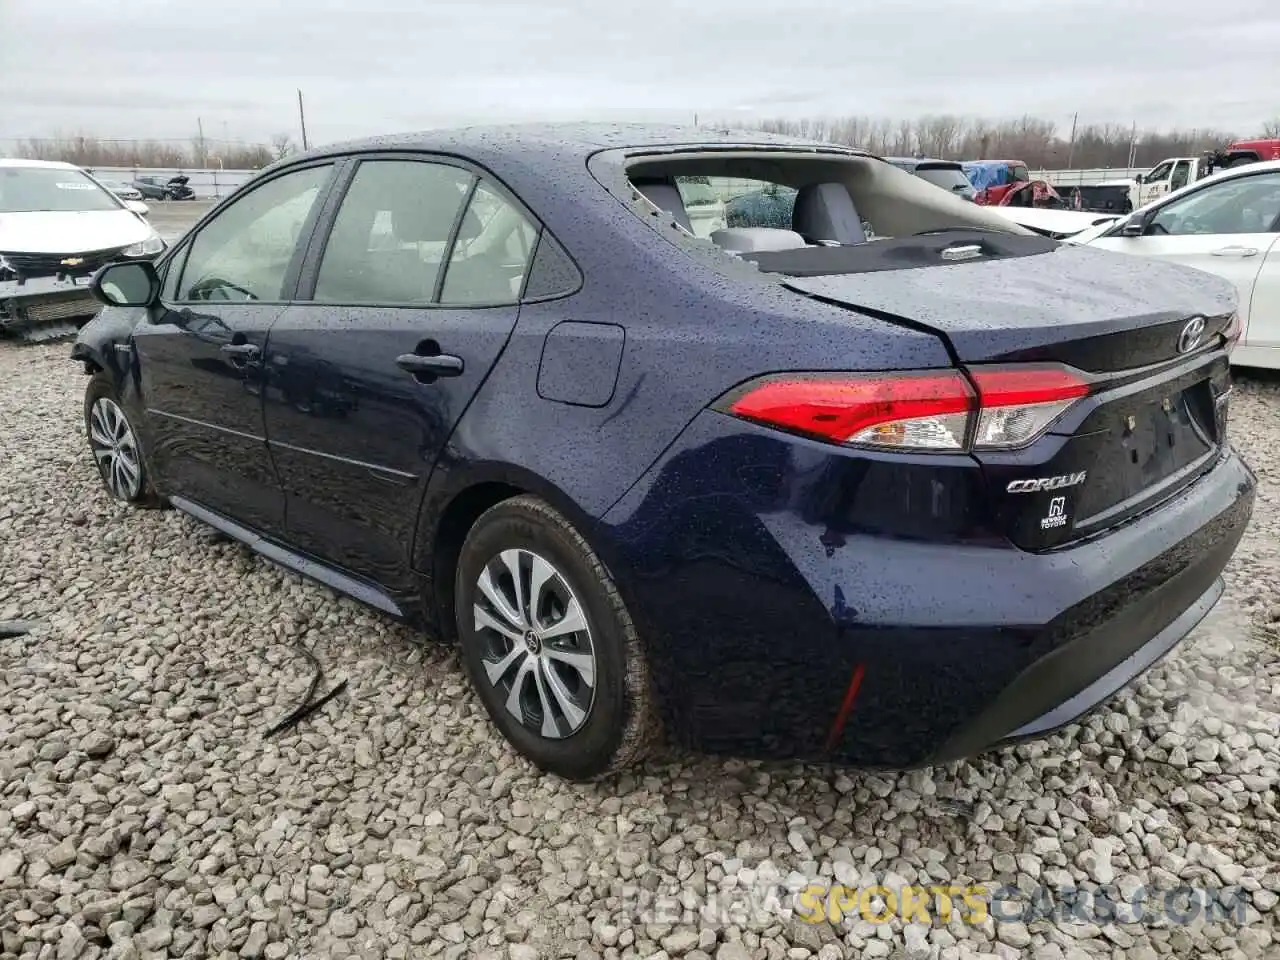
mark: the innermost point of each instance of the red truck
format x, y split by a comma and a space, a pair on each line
993, 179
1246, 151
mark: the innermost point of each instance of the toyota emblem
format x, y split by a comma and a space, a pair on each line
1190, 336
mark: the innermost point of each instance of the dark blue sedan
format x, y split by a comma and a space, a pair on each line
786, 491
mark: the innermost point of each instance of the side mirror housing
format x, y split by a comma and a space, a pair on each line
130, 283
1135, 226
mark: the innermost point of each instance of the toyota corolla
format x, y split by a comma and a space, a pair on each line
890, 483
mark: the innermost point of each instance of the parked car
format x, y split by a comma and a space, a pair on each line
57, 226
947, 174
1227, 224
165, 188
787, 493
992, 179
122, 190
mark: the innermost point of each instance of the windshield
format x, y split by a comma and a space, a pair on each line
50, 189
946, 176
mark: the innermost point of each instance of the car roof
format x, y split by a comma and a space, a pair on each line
45, 164
547, 165
916, 161
554, 143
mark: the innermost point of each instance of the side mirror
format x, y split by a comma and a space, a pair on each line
138, 207
133, 283
1139, 178
1135, 226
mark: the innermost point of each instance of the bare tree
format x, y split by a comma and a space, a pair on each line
1271, 129
282, 145
1033, 140
88, 151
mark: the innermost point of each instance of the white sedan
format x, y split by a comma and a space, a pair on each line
57, 227
1228, 224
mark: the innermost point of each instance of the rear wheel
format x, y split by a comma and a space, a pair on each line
549, 645
115, 446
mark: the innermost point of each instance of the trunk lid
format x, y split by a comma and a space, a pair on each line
1088, 308
1155, 417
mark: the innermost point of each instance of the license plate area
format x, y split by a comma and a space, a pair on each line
1148, 439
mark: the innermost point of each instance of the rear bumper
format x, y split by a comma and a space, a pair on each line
1078, 677
779, 628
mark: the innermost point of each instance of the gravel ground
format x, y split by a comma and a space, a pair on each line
143, 814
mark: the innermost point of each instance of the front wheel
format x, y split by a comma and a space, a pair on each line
549, 645
115, 446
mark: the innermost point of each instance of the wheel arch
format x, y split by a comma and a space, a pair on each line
451, 508
90, 355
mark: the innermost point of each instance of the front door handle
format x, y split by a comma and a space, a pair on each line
438, 365
242, 351
1234, 251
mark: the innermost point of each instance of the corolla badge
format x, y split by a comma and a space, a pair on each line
1046, 483
1190, 336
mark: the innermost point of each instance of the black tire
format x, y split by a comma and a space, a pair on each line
620, 725
101, 405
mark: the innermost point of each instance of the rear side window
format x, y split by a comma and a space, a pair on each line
245, 251
389, 238
553, 273
491, 258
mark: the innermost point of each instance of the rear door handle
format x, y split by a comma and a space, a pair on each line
1234, 251
440, 365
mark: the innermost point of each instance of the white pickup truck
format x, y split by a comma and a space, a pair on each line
1128, 193
1165, 177
1124, 195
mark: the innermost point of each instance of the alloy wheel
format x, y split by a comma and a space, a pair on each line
115, 448
537, 647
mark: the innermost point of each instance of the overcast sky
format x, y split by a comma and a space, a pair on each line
150, 68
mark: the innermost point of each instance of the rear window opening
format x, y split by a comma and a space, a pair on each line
805, 214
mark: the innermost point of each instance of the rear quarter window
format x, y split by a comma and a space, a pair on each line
553, 272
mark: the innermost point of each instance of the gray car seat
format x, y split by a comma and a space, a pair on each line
824, 212
665, 195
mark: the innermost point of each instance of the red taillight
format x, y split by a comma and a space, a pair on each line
871, 409
1020, 403
938, 410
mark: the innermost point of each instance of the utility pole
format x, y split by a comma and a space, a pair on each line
200, 140
302, 119
1071, 150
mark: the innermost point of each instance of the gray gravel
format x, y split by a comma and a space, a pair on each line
142, 814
